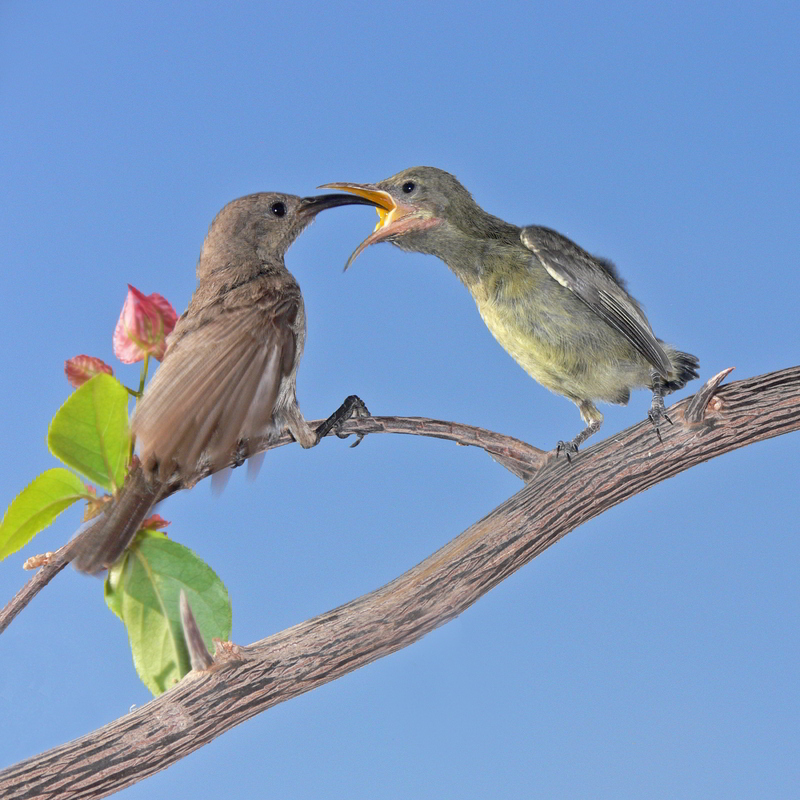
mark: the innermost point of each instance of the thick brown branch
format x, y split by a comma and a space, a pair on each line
520, 458
559, 498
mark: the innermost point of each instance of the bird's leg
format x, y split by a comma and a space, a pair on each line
594, 420
353, 406
572, 447
657, 413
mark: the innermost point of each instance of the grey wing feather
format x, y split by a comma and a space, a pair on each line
596, 284
217, 386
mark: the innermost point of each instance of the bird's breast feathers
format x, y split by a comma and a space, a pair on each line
543, 338
503, 300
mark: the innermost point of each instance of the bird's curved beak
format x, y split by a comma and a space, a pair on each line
394, 217
311, 206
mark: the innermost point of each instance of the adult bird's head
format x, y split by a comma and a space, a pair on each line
418, 209
264, 225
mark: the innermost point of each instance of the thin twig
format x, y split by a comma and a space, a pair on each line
517, 456
521, 458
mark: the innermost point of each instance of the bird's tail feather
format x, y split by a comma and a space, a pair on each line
104, 538
684, 369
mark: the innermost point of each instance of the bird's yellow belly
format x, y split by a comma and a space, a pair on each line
540, 353
547, 336
537, 357
543, 348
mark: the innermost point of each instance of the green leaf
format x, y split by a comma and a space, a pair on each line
37, 505
90, 431
143, 590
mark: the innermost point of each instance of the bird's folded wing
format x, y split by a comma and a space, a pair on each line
595, 283
216, 386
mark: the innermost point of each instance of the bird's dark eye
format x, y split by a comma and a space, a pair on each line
278, 209
409, 187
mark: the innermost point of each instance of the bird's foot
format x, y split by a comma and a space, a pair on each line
571, 448
353, 406
657, 415
568, 448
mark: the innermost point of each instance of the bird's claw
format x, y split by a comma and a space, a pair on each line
571, 448
359, 410
657, 416
567, 448
353, 406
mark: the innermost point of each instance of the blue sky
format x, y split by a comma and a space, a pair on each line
654, 651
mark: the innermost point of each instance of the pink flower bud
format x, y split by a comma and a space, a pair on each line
143, 327
79, 369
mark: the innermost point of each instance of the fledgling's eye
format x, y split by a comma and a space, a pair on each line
409, 187
278, 209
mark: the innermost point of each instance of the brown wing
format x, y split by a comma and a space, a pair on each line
596, 283
218, 382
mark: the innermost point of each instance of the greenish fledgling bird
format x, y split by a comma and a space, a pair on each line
564, 315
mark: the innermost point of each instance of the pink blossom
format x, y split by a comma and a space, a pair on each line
79, 369
143, 327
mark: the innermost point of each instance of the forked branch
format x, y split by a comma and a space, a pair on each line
244, 681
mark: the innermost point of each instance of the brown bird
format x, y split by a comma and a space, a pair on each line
563, 314
229, 373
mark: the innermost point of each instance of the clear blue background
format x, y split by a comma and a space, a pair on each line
653, 652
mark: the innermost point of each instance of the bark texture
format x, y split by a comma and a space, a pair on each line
245, 681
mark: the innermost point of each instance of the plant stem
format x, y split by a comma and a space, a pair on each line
137, 395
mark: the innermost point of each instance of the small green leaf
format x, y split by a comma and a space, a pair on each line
143, 590
90, 431
37, 505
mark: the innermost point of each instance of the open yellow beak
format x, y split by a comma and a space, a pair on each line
384, 202
394, 218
